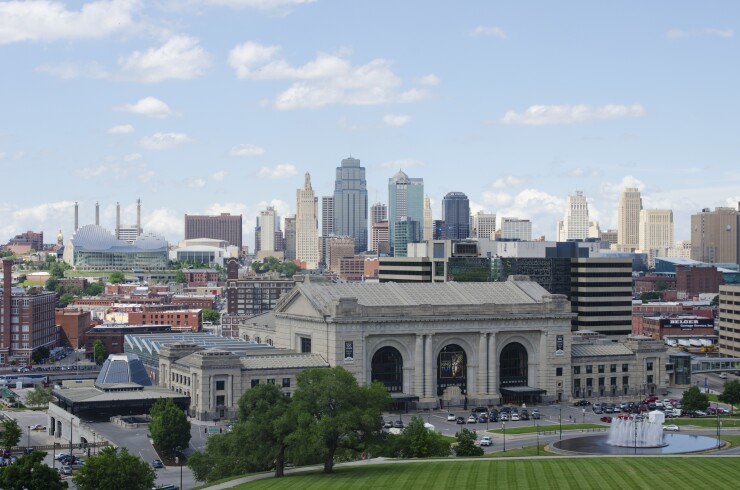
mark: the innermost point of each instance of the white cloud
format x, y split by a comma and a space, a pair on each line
282, 171
282, 208
508, 181
488, 31
430, 79
217, 176
43, 212
580, 172
396, 120
247, 150
148, 106
229, 207
69, 71
614, 189
497, 199
726, 33
569, 114
131, 157
164, 141
328, 79
677, 34
259, 4
121, 129
196, 183
179, 58
163, 221
44, 20
402, 163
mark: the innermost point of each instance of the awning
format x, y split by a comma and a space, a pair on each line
522, 390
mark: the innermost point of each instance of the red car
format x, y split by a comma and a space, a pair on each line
607, 420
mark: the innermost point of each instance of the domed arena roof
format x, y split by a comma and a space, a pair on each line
150, 242
123, 368
94, 238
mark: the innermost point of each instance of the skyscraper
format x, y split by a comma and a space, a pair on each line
656, 233
267, 229
628, 220
378, 213
484, 225
575, 224
456, 215
405, 204
715, 235
221, 227
350, 203
307, 225
516, 229
290, 243
327, 215
428, 228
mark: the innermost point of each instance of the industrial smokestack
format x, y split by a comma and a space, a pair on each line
77, 216
97, 214
138, 217
118, 220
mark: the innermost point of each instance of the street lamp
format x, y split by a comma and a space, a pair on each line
28, 439
178, 460
537, 429
94, 444
503, 428
719, 442
561, 422
584, 418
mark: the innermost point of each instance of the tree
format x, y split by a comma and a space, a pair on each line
694, 399
335, 412
212, 316
731, 393
52, 284
66, 299
650, 296
39, 396
11, 433
116, 277
264, 412
169, 427
179, 277
715, 301
416, 441
94, 288
40, 354
466, 444
114, 469
100, 353
30, 472
225, 455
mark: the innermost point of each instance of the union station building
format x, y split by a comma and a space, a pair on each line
433, 344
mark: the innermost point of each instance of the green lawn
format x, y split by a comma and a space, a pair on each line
668, 473
531, 429
710, 422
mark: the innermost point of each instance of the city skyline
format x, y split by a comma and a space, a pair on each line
221, 107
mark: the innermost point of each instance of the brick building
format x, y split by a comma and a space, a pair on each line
74, 324
254, 295
112, 335
179, 320
200, 277
692, 281
658, 327
645, 284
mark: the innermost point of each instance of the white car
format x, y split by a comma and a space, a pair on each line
514, 416
486, 441
451, 417
671, 427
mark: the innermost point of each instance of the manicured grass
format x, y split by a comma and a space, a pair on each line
550, 473
734, 440
705, 421
531, 429
523, 452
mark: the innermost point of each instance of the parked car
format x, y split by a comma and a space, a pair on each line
581, 403
597, 408
535, 414
606, 419
388, 424
672, 427
480, 410
486, 441
472, 419
157, 464
66, 470
61, 456
514, 417
451, 417
398, 424
504, 416
38, 427
460, 420
524, 415
483, 418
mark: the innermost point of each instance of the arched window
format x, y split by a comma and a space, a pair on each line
387, 367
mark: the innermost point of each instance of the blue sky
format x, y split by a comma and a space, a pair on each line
207, 106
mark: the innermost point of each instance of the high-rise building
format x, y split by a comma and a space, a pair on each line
350, 202
610, 236
516, 229
628, 220
428, 228
405, 204
406, 231
575, 224
378, 213
656, 232
290, 238
484, 225
222, 227
339, 248
379, 239
307, 225
456, 215
601, 295
327, 215
715, 236
729, 318
267, 229
439, 228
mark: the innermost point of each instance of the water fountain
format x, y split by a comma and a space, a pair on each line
636, 434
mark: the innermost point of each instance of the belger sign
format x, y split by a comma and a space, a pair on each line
689, 323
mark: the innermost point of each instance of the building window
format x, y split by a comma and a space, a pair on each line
650, 379
625, 380
558, 371
613, 368
305, 344
220, 400
589, 369
255, 382
625, 368
286, 382
271, 381
576, 369
649, 366
220, 385
601, 369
